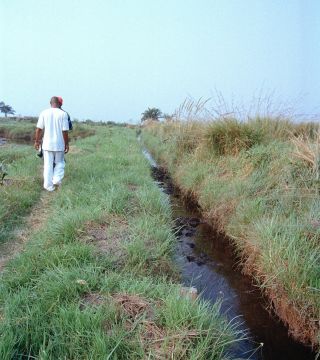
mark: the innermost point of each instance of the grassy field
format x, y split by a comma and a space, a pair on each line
257, 182
95, 280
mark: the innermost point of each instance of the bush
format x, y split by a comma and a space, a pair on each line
229, 136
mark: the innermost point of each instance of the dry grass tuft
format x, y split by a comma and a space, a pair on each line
164, 345
220, 214
108, 237
133, 187
307, 150
74, 149
192, 109
156, 340
92, 299
134, 306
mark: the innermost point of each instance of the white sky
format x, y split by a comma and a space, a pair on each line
112, 59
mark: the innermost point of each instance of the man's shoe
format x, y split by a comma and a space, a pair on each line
57, 186
50, 189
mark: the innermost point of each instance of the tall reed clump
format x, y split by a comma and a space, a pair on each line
230, 136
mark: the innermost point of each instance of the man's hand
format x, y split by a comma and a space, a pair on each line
66, 141
37, 138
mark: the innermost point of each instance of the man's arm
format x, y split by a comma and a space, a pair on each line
66, 141
39, 128
37, 138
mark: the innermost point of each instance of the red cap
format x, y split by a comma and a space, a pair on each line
60, 100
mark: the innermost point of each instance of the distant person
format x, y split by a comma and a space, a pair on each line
69, 119
54, 123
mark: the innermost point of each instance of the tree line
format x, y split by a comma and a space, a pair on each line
151, 113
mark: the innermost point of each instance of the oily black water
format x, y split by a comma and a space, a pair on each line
207, 262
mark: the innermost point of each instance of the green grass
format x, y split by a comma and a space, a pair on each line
11, 152
250, 184
43, 313
21, 187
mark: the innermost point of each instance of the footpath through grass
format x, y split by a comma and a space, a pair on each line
256, 182
96, 280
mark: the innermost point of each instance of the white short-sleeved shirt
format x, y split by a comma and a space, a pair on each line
53, 121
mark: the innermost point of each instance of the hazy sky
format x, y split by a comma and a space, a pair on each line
111, 59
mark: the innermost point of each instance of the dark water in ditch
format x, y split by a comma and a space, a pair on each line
3, 141
207, 262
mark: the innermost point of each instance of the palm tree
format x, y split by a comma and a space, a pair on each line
151, 113
6, 109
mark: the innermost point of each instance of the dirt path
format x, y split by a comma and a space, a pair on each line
30, 224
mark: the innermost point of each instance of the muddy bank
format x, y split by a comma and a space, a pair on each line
25, 137
207, 260
301, 327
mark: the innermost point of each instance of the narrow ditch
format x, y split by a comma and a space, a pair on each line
207, 262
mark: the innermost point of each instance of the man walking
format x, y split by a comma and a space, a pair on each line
54, 123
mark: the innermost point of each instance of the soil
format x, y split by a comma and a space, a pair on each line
108, 237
